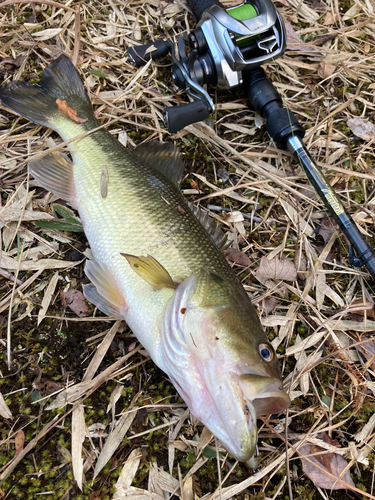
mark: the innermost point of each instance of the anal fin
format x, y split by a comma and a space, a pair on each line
54, 172
104, 291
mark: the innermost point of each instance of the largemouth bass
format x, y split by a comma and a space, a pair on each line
155, 265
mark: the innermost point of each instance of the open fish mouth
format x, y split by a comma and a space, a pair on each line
261, 396
230, 405
264, 394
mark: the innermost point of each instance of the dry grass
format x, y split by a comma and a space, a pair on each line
80, 387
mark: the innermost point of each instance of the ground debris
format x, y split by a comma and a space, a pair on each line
326, 470
76, 301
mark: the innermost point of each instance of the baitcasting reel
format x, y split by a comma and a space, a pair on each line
225, 43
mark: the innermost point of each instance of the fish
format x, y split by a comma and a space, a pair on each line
158, 263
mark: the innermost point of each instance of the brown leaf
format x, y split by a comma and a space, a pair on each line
276, 269
238, 257
362, 128
47, 387
19, 442
364, 307
301, 265
76, 301
294, 42
333, 463
329, 19
367, 349
325, 70
322, 39
267, 305
327, 228
69, 112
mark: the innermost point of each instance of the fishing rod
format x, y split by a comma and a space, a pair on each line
226, 50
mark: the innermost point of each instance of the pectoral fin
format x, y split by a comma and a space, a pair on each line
151, 271
104, 291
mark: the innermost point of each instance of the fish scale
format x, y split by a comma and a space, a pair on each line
143, 209
155, 265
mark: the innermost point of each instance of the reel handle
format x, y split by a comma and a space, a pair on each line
198, 7
141, 54
178, 117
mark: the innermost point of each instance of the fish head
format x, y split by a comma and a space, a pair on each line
219, 359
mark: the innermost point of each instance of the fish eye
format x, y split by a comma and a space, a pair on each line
266, 352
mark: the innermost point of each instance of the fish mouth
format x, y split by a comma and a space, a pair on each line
258, 395
264, 394
228, 404
250, 396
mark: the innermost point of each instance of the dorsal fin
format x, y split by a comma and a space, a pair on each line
165, 158
213, 228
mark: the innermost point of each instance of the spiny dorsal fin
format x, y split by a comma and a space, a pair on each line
213, 228
165, 158
151, 271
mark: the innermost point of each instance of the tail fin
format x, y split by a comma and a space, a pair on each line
38, 102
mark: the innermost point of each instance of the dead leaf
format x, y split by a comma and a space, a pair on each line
362, 128
47, 387
326, 70
4, 410
352, 12
327, 228
69, 112
301, 265
113, 440
78, 436
47, 34
330, 18
48, 294
11, 264
333, 463
128, 472
238, 257
267, 305
294, 42
367, 349
76, 301
276, 269
19, 442
363, 306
